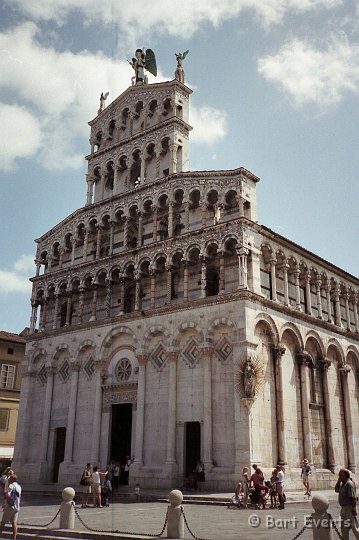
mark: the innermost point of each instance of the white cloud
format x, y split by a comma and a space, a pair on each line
141, 17
312, 75
59, 93
17, 279
209, 124
21, 134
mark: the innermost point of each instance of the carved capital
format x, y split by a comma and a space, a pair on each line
278, 351
324, 363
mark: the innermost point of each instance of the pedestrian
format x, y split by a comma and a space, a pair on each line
345, 487
126, 470
96, 486
116, 476
257, 482
12, 504
305, 476
86, 481
200, 474
245, 486
279, 484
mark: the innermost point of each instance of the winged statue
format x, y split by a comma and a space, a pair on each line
141, 62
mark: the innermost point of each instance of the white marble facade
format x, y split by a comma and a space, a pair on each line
148, 302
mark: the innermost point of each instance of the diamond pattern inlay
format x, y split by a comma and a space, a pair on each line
158, 356
224, 349
191, 353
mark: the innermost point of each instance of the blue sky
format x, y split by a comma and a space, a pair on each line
276, 86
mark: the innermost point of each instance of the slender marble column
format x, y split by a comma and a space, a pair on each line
297, 291
81, 302
278, 352
169, 284
94, 304
304, 360
185, 281
98, 242
47, 413
308, 294
143, 167
97, 413
43, 315
108, 297
68, 309
154, 224
170, 219
86, 239
153, 288
71, 415
203, 278
112, 236
329, 304
222, 282
56, 311
137, 291
73, 248
242, 270
207, 453
140, 229
116, 181
125, 232
318, 284
122, 293
325, 365
347, 312
338, 315
186, 216
344, 372
140, 415
273, 278
172, 406
204, 215
286, 287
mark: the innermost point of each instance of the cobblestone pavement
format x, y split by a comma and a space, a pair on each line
205, 521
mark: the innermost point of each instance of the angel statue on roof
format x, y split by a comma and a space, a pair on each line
143, 60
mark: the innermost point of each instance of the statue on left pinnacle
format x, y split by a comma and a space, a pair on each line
143, 60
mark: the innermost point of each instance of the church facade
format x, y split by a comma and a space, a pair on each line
169, 325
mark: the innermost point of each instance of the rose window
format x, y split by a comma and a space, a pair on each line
124, 370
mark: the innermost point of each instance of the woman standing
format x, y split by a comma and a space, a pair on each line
245, 486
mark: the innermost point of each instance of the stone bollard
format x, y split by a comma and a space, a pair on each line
321, 522
175, 521
67, 512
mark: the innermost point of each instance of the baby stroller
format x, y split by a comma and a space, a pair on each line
106, 493
258, 497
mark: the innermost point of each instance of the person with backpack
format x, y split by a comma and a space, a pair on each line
12, 495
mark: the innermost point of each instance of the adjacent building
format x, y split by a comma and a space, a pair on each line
170, 325
12, 350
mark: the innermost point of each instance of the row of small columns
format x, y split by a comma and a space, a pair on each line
173, 147
126, 219
319, 286
304, 361
242, 284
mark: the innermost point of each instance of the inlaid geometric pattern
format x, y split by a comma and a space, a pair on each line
89, 367
123, 370
158, 356
191, 353
64, 371
42, 376
223, 349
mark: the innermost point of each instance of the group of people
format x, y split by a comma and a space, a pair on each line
10, 495
100, 484
255, 490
